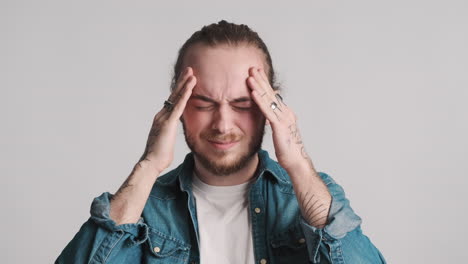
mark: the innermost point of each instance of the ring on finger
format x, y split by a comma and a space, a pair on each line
168, 105
273, 106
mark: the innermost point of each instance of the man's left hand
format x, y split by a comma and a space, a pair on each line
289, 148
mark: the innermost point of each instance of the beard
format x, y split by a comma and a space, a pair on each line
222, 165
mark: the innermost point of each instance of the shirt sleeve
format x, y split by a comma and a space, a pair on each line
341, 240
100, 240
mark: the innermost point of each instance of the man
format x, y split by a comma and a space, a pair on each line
228, 202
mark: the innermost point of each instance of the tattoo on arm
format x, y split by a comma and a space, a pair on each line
155, 130
294, 132
125, 185
314, 212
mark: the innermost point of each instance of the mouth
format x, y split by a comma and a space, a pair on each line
223, 145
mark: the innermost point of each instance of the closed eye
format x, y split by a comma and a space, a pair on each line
204, 108
243, 105
243, 108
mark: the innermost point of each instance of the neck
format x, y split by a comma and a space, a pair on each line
241, 176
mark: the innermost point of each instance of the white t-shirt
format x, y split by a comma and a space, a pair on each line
223, 223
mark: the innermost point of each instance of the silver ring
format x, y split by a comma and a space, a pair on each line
273, 106
168, 105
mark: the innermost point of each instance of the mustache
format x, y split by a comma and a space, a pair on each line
215, 136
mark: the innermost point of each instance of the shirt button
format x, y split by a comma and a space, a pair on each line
157, 249
302, 240
263, 261
257, 210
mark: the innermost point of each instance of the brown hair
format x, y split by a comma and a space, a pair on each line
220, 33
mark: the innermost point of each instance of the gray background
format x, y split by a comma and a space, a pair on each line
380, 89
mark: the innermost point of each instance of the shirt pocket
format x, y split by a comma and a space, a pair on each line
289, 247
166, 249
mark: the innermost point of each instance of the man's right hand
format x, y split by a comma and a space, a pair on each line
159, 151
128, 202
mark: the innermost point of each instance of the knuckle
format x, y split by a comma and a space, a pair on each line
165, 122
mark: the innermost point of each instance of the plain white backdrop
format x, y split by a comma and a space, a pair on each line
380, 89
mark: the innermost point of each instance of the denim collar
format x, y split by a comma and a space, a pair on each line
184, 171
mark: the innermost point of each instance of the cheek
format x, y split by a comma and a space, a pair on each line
189, 114
258, 116
252, 121
195, 121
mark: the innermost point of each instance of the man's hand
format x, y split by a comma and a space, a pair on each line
311, 193
128, 202
159, 151
287, 141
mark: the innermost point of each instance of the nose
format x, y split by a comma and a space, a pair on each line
223, 119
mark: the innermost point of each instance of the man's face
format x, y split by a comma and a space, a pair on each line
222, 124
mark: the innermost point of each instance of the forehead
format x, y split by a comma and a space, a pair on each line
222, 71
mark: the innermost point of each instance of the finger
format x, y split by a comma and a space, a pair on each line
267, 92
176, 93
182, 102
159, 115
279, 98
272, 115
162, 115
177, 96
264, 96
187, 72
263, 102
253, 77
265, 82
181, 83
262, 80
263, 75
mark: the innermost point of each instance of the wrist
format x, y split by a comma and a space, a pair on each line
301, 164
149, 168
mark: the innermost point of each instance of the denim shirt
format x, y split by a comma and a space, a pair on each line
167, 231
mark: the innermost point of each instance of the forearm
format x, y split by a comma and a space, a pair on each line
312, 194
128, 202
341, 239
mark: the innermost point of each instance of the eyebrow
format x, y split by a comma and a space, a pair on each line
210, 100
